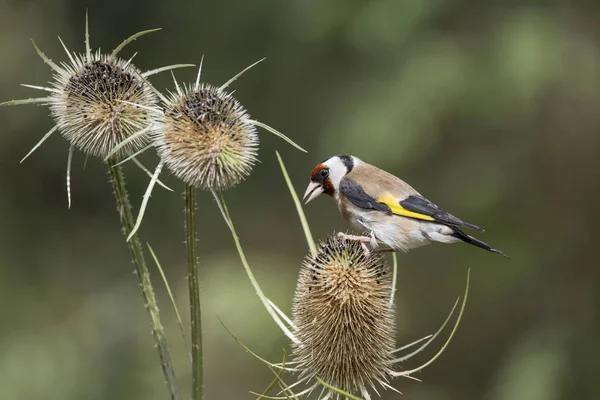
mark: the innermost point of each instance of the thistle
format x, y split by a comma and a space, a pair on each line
342, 327
207, 139
343, 316
88, 104
204, 136
90, 100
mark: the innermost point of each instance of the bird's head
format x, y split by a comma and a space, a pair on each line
326, 176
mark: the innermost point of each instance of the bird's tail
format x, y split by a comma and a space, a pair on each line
475, 242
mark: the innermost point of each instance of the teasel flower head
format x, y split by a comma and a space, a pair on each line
92, 104
206, 137
344, 316
343, 323
93, 100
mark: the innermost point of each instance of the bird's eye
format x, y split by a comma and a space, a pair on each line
324, 173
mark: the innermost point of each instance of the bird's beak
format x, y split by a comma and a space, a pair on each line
313, 191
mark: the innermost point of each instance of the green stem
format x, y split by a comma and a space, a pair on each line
141, 271
194, 289
299, 210
223, 208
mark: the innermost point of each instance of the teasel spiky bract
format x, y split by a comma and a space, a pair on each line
342, 328
204, 136
90, 99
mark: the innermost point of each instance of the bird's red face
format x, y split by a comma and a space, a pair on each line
320, 183
327, 176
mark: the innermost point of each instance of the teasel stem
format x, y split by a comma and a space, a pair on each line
264, 300
194, 289
117, 179
305, 227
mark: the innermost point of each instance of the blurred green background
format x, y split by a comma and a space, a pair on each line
489, 109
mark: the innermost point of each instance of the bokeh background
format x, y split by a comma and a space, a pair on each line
489, 108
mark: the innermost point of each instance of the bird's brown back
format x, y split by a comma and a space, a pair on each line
375, 182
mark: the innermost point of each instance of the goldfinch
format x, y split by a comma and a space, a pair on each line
390, 210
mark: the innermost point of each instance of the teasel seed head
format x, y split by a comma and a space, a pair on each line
206, 137
96, 104
100, 103
343, 316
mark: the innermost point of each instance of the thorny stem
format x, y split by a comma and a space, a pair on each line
141, 271
194, 289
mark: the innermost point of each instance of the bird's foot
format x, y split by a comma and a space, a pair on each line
354, 238
362, 239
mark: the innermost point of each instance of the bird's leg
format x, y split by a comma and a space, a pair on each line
365, 249
354, 238
362, 239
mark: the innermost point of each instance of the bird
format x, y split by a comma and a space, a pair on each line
388, 209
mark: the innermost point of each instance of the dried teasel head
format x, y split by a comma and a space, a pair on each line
342, 325
206, 138
344, 317
93, 104
98, 101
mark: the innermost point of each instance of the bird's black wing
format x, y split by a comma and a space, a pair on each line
357, 196
421, 205
418, 206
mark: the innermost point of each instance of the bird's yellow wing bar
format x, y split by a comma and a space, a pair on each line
393, 203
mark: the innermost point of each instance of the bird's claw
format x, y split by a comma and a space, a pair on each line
365, 249
363, 240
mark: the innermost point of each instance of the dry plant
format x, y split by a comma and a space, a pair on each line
89, 100
207, 139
